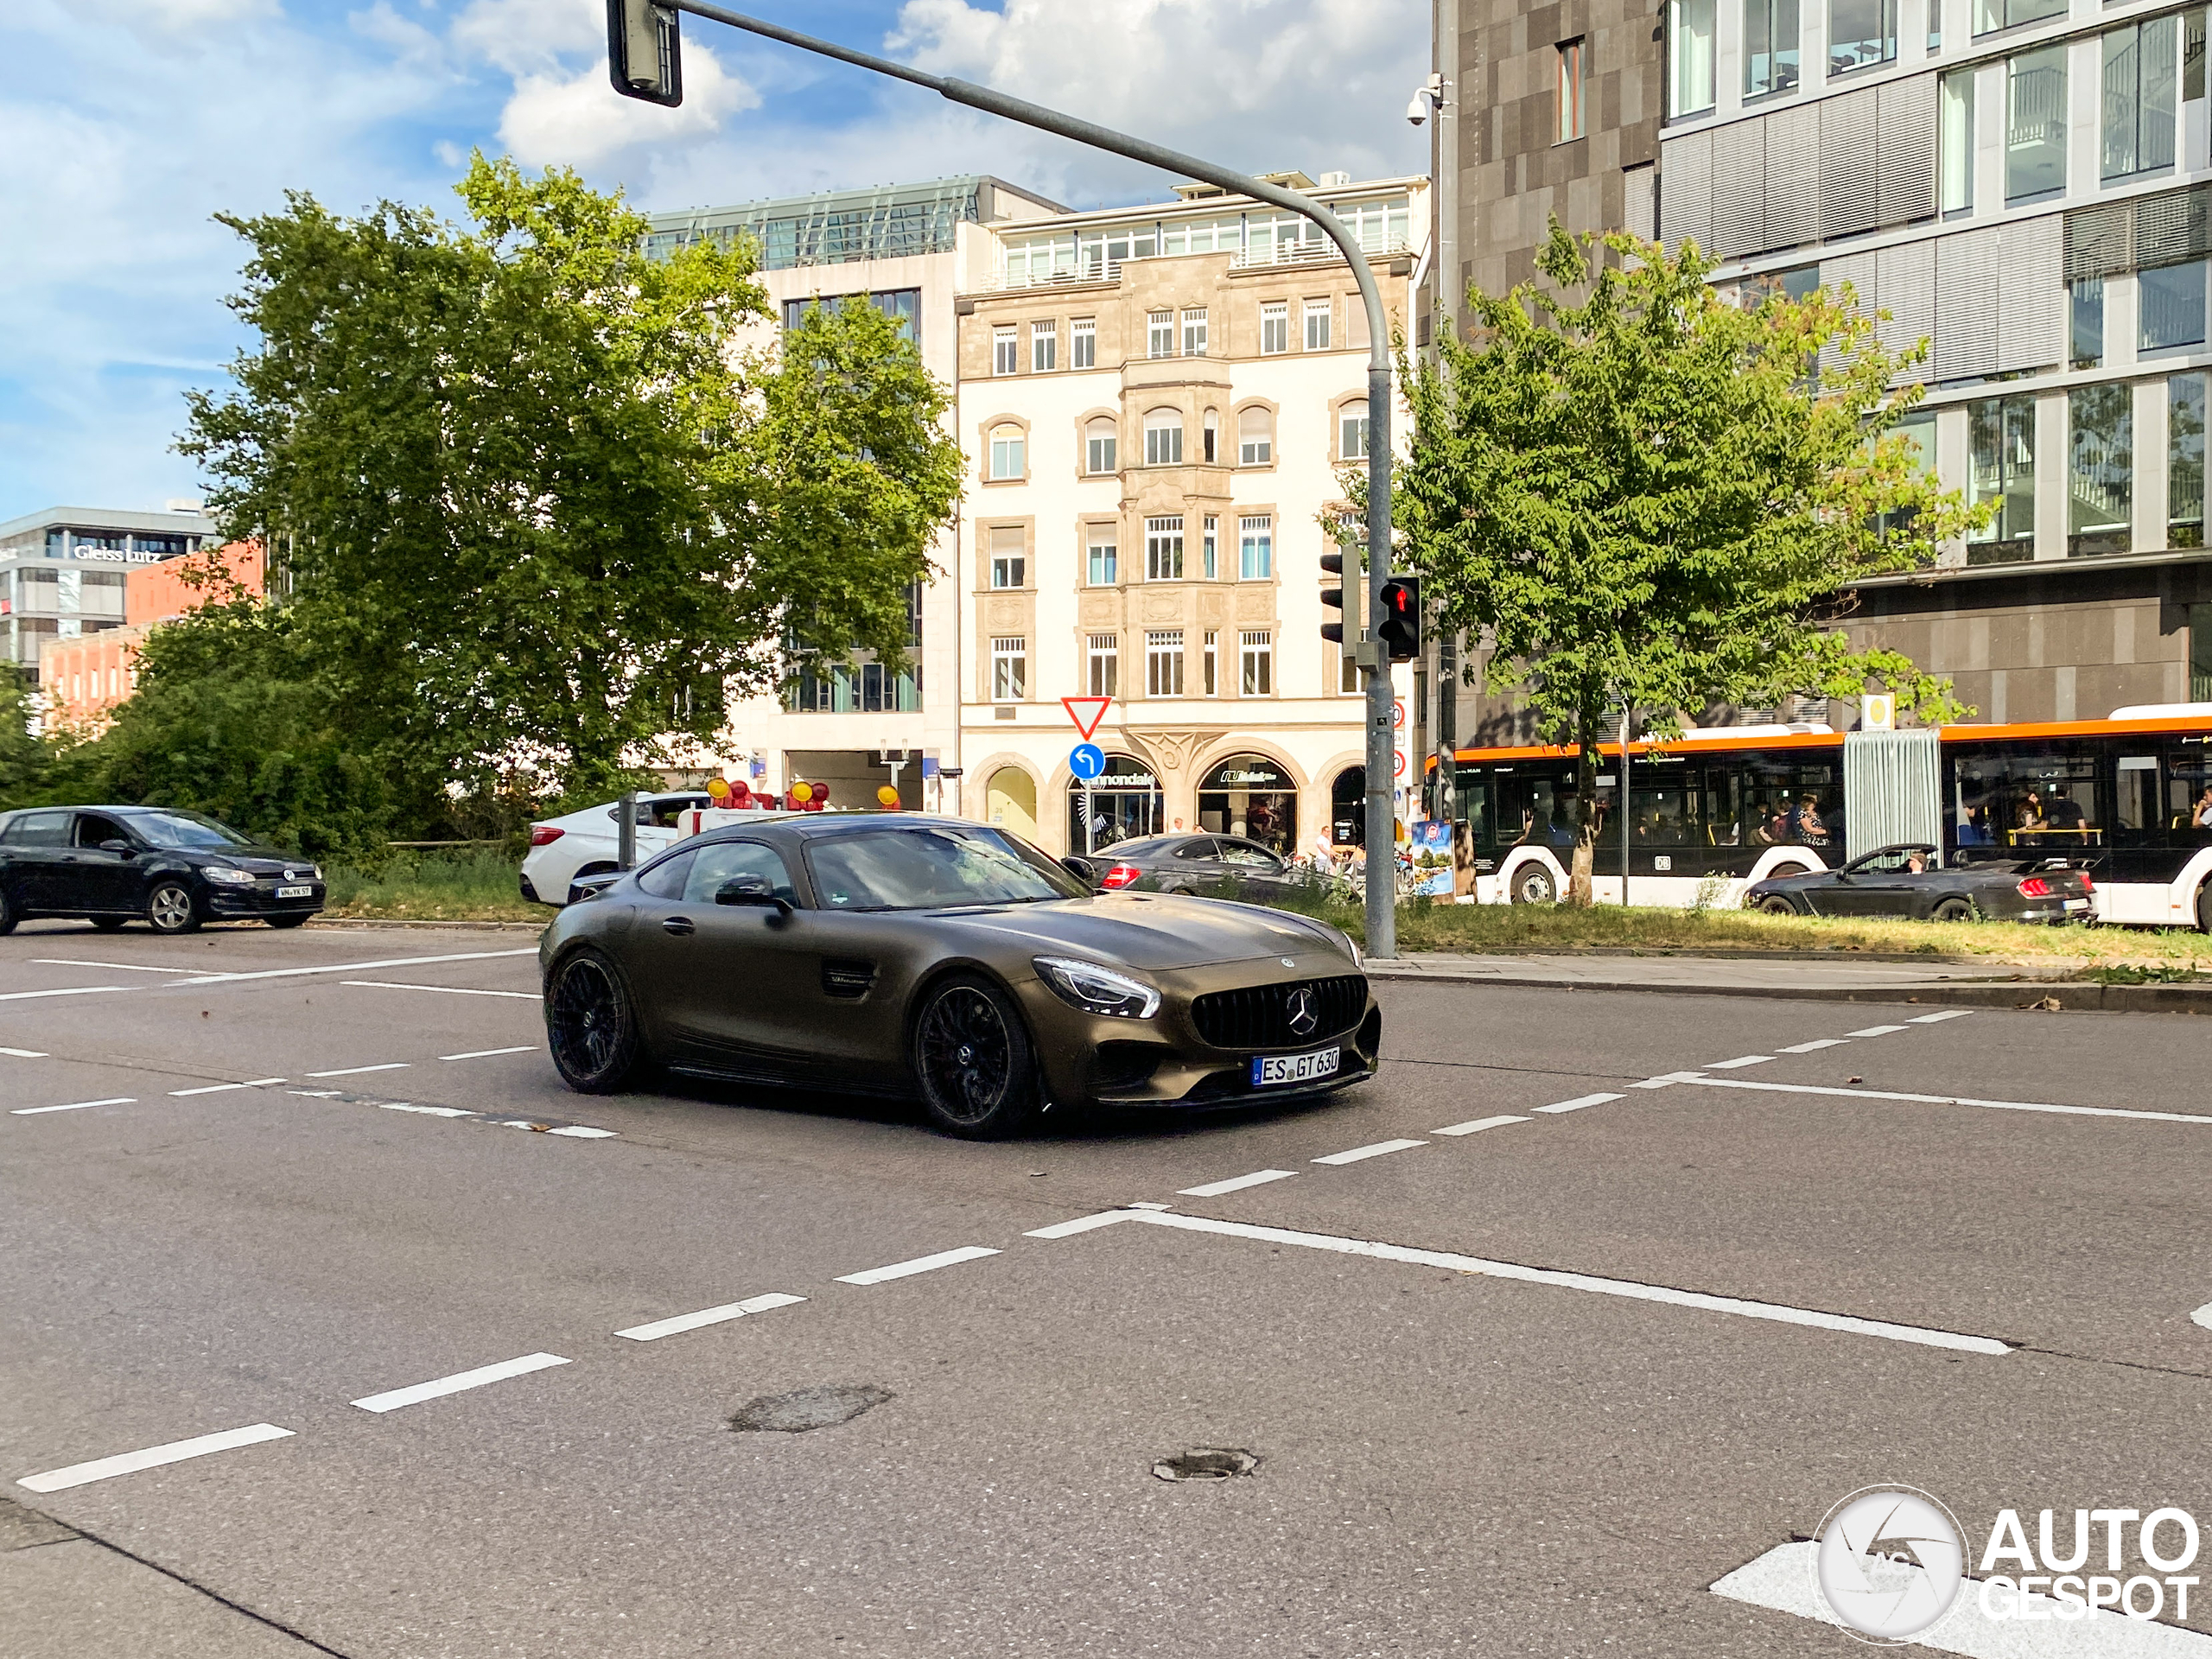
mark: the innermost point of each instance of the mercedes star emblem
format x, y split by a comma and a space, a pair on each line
1303, 1015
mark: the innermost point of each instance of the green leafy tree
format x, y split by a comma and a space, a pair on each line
538, 503
1639, 491
26, 757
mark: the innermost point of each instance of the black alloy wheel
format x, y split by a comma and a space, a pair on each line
1774, 904
973, 1059
1951, 910
1532, 885
107, 924
589, 1025
8, 917
170, 909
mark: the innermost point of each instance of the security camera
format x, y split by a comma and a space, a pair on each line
1417, 111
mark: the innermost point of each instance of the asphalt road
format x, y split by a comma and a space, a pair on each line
250, 1178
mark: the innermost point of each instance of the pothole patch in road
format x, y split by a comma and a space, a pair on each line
806, 1408
1206, 1463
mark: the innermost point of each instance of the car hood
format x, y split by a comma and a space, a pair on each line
1157, 931
261, 860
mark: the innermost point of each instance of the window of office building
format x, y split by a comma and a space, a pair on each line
1044, 345
1257, 659
1009, 452
1212, 546
1861, 32
1082, 343
1101, 439
1102, 660
2001, 441
1212, 663
1770, 47
1990, 15
1689, 56
1212, 426
1954, 122
2185, 410
1352, 431
2035, 124
1255, 437
1010, 558
2085, 310
1274, 327
1317, 325
1006, 350
1256, 541
2099, 468
1566, 90
1163, 663
1009, 670
1102, 556
1194, 332
1163, 438
1159, 333
2170, 306
1163, 549
2142, 72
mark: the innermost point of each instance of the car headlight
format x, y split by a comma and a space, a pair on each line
1094, 990
1358, 958
229, 878
315, 872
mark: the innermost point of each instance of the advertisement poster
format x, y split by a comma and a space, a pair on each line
1432, 858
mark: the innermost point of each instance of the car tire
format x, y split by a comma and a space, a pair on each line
973, 1060
1952, 909
170, 908
2204, 911
107, 924
8, 917
591, 1024
1774, 904
285, 921
1532, 885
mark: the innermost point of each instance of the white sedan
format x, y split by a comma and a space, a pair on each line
586, 843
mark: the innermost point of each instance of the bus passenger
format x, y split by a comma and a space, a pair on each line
2064, 813
2029, 816
1808, 822
1973, 832
2201, 817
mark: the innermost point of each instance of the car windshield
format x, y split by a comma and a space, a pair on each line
933, 868
186, 830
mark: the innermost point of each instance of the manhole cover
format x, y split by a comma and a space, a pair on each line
1207, 1463
804, 1408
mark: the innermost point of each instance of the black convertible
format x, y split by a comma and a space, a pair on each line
933, 957
1912, 880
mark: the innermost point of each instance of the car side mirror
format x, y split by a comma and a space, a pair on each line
752, 890
1083, 869
122, 847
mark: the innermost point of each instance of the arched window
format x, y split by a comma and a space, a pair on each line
1163, 437
1100, 440
1255, 437
1212, 451
1351, 430
1009, 452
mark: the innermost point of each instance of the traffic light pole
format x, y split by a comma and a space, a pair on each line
1382, 845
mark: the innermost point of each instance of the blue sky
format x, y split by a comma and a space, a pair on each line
126, 124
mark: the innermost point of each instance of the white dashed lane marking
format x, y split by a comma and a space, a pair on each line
130, 1462
111, 967
1360, 1155
706, 1316
485, 1053
1876, 1031
450, 990
1740, 1060
70, 990
23, 1054
225, 1088
356, 1070
1807, 1048
919, 1264
461, 1381
1476, 1126
427, 1111
1930, 1019
1236, 1183
1955, 1100
1577, 1103
355, 966
73, 1106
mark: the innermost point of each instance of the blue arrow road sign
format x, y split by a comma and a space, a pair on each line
1086, 760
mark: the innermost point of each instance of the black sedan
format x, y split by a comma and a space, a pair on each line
172, 869
1227, 865
936, 958
1912, 882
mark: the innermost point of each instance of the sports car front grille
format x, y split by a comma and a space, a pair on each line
1258, 1016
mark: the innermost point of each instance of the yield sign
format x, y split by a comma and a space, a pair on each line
1086, 712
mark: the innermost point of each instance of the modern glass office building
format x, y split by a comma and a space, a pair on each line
61, 571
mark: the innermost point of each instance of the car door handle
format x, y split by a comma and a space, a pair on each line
679, 925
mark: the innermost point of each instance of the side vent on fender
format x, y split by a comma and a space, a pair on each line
847, 979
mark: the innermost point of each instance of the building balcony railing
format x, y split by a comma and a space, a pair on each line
1110, 271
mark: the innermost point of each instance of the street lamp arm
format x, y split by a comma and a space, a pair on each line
1380, 746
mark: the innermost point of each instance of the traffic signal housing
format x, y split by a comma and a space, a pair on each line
1400, 632
1333, 597
644, 51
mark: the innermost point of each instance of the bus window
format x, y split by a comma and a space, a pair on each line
2189, 798
1778, 803
1664, 817
1470, 803
2138, 820
1537, 809
2035, 800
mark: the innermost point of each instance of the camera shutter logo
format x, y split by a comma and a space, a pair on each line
1889, 1563
1304, 1016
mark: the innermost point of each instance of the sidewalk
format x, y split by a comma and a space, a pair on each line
1983, 983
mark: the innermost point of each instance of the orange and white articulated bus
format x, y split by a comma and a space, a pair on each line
2128, 799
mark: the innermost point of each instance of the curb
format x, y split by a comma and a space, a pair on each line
325, 923
2071, 998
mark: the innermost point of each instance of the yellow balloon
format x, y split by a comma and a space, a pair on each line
802, 792
887, 795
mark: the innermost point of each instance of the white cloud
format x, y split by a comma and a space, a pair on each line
177, 17
578, 120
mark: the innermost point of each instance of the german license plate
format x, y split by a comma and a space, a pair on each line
295, 893
1269, 1071
2077, 903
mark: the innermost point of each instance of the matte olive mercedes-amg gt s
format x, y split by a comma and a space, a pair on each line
938, 958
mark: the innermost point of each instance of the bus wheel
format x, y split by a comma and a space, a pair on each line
1532, 885
2204, 908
